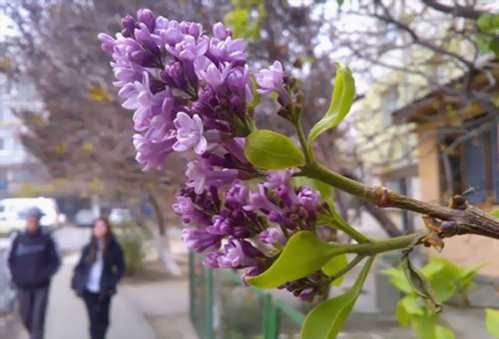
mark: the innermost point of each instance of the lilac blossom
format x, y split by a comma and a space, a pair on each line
220, 31
184, 207
207, 71
280, 178
201, 175
228, 49
221, 225
271, 79
237, 195
199, 240
189, 48
152, 155
189, 90
237, 254
163, 67
244, 216
189, 133
309, 199
259, 201
273, 236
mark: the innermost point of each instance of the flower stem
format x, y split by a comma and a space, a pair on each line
317, 171
309, 156
346, 269
381, 246
335, 220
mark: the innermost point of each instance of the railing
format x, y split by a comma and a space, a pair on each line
221, 308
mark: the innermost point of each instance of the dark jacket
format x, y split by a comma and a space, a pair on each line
112, 271
33, 260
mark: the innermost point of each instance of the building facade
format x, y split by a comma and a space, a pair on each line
18, 168
458, 154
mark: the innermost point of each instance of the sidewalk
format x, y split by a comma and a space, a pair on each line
67, 317
165, 304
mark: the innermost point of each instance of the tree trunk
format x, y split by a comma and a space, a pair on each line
161, 237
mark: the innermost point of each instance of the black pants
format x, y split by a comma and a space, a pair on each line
32, 309
98, 313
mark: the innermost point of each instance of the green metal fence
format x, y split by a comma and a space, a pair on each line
221, 308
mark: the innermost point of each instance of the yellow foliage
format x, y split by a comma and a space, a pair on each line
95, 185
87, 148
29, 190
5, 64
37, 120
61, 149
26, 190
99, 94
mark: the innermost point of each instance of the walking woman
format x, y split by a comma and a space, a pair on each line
97, 274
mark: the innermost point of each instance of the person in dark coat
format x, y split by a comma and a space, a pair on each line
33, 260
100, 268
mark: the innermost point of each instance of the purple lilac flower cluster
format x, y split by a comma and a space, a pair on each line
188, 90
247, 229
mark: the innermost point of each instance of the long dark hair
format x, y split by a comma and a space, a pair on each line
94, 245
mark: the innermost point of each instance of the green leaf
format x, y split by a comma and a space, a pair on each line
333, 266
492, 321
418, 281
488, 22
443, 288
411, 305
270, 150
327, 318
303, 254
246, 18
443, 333
468, 275
495, 213
398, 279
446, 278
424, 327
402, 314
341, 101
435, 266
443, 276
494, 46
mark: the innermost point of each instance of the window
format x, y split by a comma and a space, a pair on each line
470, 163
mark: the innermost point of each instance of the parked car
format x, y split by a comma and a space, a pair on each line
13, 216
120, 216
84, 218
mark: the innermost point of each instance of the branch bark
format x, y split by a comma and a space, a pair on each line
457, 10
381, 217
468, 220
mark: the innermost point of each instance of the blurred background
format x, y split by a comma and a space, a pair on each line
424, 123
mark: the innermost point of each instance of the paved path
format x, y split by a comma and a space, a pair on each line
67, 318
166, 305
